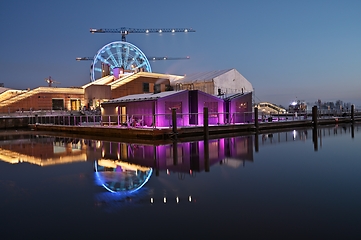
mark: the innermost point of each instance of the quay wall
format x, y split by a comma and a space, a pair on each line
14, 122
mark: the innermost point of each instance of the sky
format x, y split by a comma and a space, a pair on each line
288, 49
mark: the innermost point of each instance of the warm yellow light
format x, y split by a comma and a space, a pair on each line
15, 157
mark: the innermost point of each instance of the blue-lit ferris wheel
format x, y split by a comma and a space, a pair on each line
116, 178
121, 55
124, 55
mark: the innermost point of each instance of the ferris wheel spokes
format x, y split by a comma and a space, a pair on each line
119, 55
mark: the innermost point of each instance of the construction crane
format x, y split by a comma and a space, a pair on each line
149, 58
125, 55
125, 31
51, 81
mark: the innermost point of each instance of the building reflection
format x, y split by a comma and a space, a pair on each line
41, 150
126, 167
182, 157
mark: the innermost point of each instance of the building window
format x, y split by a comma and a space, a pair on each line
242, 106
157, 88
212, 108
146, 87
57, 104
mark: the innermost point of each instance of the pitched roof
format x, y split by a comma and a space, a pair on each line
3, 89
203, 76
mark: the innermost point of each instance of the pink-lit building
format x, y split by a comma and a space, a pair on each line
155, 109
239, 107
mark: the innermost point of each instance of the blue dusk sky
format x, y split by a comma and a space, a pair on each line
287, 49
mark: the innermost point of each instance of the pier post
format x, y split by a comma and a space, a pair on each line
154, 123
352, 113
155, 158
175, 153
315, 138
206, 137
256, 118
206, 155
314, 116
205, 123
256, 143
174, 121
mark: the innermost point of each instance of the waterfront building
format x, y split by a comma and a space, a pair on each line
270, 108
88, 96
222, 83
155, 109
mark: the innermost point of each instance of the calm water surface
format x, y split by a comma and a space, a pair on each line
302, 184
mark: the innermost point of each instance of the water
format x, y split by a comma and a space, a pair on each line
301, 184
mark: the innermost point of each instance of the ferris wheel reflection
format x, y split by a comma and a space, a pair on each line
121, 177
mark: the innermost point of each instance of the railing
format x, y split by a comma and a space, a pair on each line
166, 120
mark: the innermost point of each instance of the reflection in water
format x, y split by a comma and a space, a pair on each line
304, 183
125, 168
303, 135
121, 177
41, 150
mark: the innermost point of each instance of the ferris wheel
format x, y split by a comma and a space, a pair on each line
118, 55
115, 177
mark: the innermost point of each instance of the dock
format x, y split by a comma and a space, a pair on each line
189, 131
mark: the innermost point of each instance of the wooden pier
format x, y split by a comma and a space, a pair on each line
186, 132
71, 124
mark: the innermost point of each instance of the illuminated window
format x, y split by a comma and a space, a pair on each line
243, 105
